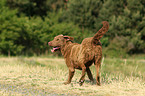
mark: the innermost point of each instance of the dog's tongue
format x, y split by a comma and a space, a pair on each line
53, 50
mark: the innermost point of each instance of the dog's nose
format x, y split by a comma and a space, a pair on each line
49, 43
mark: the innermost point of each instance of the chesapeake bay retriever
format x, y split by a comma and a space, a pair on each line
81, 56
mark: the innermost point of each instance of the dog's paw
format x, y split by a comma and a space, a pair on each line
81, 82
66, 83
98, 84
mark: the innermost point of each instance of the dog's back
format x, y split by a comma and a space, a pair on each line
85, 52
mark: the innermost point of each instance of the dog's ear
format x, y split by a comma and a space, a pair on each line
68, 38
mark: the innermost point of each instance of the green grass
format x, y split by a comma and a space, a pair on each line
119, 77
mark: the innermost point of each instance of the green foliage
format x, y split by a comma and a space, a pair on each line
83, 13
8, 30
118, 47
27, 25
36, 7
126, 19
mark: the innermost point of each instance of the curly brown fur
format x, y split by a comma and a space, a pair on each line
81, 56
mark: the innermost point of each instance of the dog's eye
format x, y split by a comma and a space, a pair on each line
57, 39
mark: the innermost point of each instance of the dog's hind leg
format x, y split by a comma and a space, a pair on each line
97, 66
90, 75
71, 74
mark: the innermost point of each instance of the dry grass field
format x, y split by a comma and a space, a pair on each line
35, 76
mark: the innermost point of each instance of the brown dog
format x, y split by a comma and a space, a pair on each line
81, 56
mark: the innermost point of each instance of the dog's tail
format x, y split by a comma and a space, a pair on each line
101, 32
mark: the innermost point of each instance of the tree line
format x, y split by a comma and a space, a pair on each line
27, 25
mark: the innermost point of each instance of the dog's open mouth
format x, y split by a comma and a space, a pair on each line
55, 49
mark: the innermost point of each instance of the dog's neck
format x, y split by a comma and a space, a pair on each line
65, 49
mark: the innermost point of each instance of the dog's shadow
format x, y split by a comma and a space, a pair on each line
90, 82
87, 81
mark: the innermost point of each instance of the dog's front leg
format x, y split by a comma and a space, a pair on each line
71, 74
82, 79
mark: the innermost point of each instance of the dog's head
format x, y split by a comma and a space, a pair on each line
59, 41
